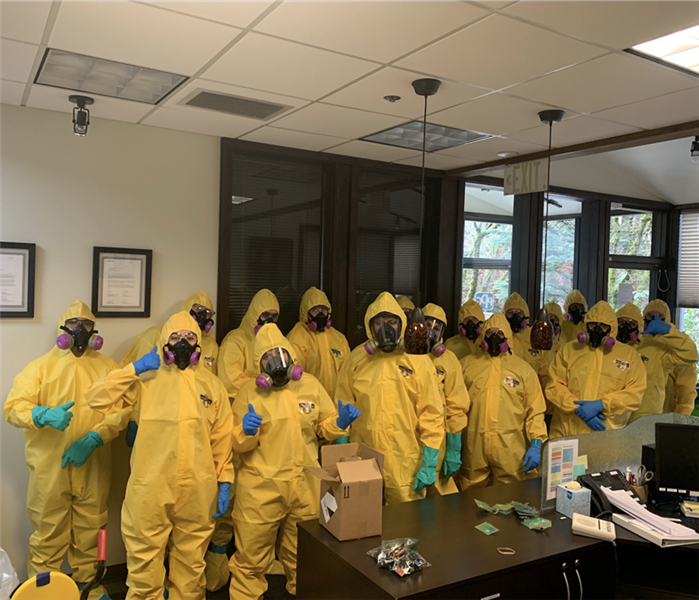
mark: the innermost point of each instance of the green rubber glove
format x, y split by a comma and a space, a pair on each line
80, 451
58, 418
427, 474
452, 457
343, 439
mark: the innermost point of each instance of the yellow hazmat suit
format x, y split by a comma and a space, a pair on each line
320, 353
547, 356
570, 330
149, 338
66, 506
522, 345
507, 413
183, 450
460, 345
455, 401
580, 372
681, 390
405, 302
661, 355
402, 411
274, 491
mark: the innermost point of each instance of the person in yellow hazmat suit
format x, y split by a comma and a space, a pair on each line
662, 348
575, 308
455, 402
505, 431
517, 314
471, 319
681, 390
398, 395
547, 356
181, 470
277, 419
236, 366
320, 348
595, 383
406, 304
66, 448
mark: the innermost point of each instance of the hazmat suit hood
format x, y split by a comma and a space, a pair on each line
631, 311
405, 302
602, 312
436, 312
660, 306
271, 337
197, 298
471, 308
178, 321
262, 301
574, 297
555, 309
498, 320
312, 297
516, 301
384, 303
76, 310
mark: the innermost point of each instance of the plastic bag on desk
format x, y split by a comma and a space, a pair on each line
399, 555
9, 576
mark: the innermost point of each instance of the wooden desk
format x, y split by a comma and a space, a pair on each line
465, 562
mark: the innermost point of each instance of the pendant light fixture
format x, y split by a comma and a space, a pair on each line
81, 115
542, 330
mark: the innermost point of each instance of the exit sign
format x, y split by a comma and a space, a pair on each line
525, 178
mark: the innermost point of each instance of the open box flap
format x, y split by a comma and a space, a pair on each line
363, 470
331, 455
369, 452
321, 473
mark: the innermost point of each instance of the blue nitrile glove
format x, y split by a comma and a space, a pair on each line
595, 423
452, 457
224, 497
251, 421
657, 326
80, 451
131, 431
346, 414
588, 409
532, 457
148, 362
58, 418
343, 439
427, 474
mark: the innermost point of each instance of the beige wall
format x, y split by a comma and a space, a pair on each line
123, 185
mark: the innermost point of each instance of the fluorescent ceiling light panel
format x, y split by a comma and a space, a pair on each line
680, 49
105, 77
438, 137
240, 199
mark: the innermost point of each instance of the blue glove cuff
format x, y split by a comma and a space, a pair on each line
217, 549
37, 414
224, 486
535, 444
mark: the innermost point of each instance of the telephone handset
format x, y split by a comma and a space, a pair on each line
613, 479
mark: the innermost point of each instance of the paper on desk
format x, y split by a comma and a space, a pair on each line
562, 456
623, 500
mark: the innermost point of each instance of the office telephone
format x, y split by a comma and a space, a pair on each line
613, 479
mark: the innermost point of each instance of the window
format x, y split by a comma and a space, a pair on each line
630, 233
688, 322
628, 285
487, 257
688, 288
558, 253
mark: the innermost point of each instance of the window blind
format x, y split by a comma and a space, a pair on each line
688, 292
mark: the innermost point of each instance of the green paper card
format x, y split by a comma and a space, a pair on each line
538, 523
487, 528
505, 509
578, 470
482, 505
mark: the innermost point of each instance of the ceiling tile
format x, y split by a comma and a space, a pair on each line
16, 60
292, 139
51, 98
373, 151
24, 21
494, 114
577, 130
238, 13
337, 121
678, 107
606, 82
368, 94
615, 24
139, 35
200, 121
438, 161
498, 52
487, 150
11, 92
380, 31
267, 63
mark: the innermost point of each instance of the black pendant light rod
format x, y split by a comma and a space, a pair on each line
424, 147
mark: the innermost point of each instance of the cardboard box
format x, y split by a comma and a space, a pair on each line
573, 501
351, 490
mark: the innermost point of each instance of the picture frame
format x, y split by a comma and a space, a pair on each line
17, 271
121, 282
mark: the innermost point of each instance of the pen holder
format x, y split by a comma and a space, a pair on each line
642, 492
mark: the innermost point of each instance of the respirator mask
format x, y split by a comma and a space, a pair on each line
278, 371
386, 329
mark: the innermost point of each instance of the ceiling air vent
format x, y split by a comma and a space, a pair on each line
250, 108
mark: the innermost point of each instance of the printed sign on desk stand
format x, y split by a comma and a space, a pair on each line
563, 456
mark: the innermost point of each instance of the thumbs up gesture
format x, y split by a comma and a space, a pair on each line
346, 414
148, 362
58, 418
251, 421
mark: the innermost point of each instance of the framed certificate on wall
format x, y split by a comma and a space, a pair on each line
17, 265
121, 282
